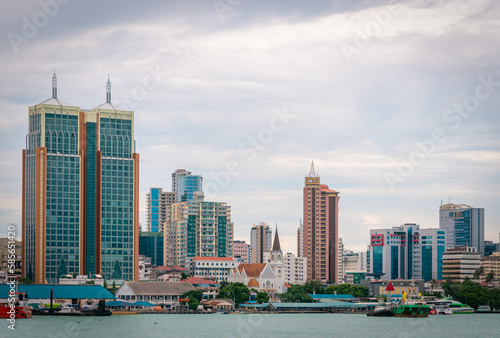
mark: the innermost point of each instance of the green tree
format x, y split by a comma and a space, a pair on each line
90, 282
478, 273
238, 292
489, 277
113, 288
433, 285
193, 303
313, 286
196, 294
105, 285
262, 297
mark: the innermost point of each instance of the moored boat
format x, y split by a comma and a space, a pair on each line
16, 308
412, 306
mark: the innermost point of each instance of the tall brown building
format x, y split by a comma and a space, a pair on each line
320, 229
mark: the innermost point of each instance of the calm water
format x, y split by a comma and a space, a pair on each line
272, 325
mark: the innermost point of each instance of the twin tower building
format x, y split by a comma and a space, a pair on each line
80, 191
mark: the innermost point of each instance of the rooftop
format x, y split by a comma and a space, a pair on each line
213, 259
159, 288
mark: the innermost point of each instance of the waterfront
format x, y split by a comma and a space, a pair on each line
255, 325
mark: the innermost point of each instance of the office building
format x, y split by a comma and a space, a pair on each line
490, 248
157, 205
80, 183
198, 228
151, 245
320, 229
260, 242
464, 225
460, 263
407, 252
184, 185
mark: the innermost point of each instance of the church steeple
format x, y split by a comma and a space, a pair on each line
54, 85
276, 243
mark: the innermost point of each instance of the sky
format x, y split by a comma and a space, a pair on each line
396, 102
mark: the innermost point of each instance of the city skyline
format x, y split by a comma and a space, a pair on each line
248, 97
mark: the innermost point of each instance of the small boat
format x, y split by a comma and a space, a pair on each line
17, 308
382, 310
483, 309
439, 307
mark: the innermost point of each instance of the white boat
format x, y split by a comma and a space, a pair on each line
439, 307
484, 308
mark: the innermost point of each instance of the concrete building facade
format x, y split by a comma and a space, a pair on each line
261, 236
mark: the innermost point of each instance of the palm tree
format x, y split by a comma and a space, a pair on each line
489, 277
478, 273
433, 285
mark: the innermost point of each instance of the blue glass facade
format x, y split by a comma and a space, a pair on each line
79, 189
151, 245
117, 200
154, 209
377, 259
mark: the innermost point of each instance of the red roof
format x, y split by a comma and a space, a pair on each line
287, 285
252, 269
390, 287
199, 280
213, 259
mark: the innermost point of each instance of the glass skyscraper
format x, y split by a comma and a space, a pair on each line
80, 191
464, 225
184, 184
407, 252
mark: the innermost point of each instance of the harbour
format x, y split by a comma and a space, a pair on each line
262, 325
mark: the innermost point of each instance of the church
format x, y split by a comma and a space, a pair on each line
264, 277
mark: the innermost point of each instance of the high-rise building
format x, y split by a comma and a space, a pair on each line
464, 224
320, 229
407, 252
460, 263
241, 251
151, 245
80, 191
157, 207
198, 228
261, 236
184, 184
354, 261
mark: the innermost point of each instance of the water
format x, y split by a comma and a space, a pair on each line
255, 325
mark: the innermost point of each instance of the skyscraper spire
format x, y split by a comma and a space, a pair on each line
312, 173
108, 91
54, 85
276, 243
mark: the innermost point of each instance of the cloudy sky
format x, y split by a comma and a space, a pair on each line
397, 102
